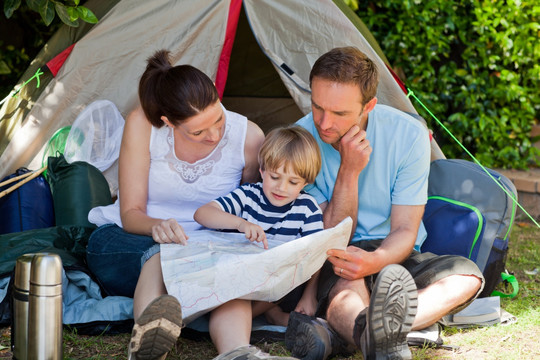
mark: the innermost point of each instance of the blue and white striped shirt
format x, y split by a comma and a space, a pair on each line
299, 218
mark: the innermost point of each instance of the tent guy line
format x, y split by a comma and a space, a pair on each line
410, 93
14, 93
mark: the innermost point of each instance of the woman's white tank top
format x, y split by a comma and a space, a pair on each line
176, 189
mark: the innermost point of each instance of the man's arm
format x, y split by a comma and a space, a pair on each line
396, 247
404, 224
355, 151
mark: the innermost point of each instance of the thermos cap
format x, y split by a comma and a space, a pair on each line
21, 279
46, 270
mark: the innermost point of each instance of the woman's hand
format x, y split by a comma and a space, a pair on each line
169, 231
253, 232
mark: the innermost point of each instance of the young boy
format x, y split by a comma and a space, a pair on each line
276, 209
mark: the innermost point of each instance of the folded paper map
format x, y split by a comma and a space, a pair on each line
215, 267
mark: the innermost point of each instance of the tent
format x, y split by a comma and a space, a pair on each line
258, 52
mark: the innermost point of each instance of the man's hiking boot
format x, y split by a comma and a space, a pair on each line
311, 338
250, 352
156, 330
390, 315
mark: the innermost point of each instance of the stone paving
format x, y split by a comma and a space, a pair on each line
528, 186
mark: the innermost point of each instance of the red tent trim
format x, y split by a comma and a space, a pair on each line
225, 57
398, 80
56, 62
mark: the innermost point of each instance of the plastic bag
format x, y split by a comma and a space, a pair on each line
95, 135
56, 144
95, 138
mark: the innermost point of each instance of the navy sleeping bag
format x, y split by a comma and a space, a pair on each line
28, 207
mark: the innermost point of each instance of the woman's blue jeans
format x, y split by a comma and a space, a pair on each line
116, 258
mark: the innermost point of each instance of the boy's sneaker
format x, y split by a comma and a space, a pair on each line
250, 352
312, 338
389, 318
156, 330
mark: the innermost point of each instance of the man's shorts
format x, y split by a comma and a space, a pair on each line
426, 269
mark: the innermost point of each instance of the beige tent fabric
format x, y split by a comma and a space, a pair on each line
108, 61
14, 110
298, 32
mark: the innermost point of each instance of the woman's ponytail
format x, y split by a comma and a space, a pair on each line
177, 92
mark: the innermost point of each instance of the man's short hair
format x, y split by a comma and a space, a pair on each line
294, 148
348, 65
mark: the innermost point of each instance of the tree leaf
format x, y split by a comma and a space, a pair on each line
4, 68
46, 10
10, 6
34, 4
87, 15
64, 15
73, 13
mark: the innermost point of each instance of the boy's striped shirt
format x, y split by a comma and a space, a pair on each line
299, 218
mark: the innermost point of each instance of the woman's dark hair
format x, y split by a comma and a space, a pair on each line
178, 92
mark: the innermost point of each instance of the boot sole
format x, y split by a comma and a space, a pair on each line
308, 344
392, 310
156, 330
295, 319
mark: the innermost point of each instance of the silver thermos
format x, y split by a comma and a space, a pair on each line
21, 290
43, 323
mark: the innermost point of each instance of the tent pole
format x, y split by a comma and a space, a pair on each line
19, 184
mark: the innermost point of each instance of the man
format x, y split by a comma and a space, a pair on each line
375, 170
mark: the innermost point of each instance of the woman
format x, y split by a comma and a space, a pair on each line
180, 150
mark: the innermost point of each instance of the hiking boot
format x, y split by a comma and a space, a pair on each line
390, 315
156, 330
249, 352
295, 319
312, 338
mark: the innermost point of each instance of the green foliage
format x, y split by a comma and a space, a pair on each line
474, 64
28, 35
69, 11
34, 22
353, 4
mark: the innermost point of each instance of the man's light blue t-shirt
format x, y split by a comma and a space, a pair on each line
397, 172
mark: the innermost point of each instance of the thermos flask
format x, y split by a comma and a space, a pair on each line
45, 308
21, 289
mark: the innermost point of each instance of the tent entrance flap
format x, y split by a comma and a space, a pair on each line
253, 87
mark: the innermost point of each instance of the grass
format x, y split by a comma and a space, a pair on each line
515, 341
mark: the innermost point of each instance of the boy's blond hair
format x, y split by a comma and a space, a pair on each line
294, 148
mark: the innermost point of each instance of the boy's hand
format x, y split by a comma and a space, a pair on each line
307, 305
253, 232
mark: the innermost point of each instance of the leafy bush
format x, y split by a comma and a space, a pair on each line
474, 64
31, 23
69, 11
21, 38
